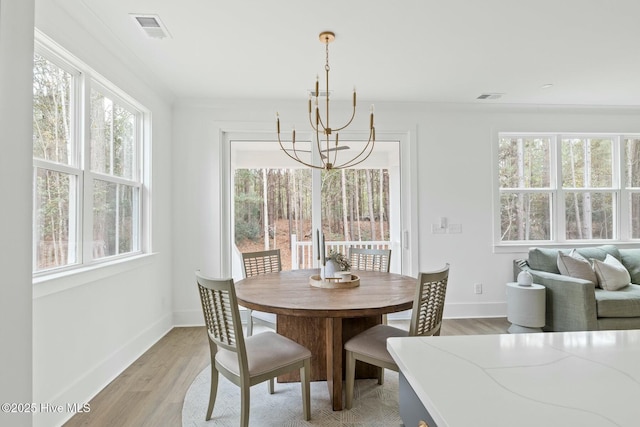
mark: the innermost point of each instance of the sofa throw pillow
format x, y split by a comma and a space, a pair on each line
631, 259
575, 265
544, 259
611, 274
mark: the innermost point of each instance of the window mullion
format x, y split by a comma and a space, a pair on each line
558, 226
34, 222
58, 167
623, 194
116, 179
87, 177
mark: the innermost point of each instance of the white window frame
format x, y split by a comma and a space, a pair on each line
80, 165
621, 193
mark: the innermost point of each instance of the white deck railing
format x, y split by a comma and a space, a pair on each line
302, 252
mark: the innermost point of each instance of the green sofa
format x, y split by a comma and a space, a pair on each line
574, 304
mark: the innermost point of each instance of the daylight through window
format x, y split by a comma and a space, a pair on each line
87, 157
568, 187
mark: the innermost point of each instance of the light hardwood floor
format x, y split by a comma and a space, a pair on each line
150, 392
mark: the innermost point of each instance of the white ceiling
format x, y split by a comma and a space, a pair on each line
410, 50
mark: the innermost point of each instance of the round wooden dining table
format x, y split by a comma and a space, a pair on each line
323, 319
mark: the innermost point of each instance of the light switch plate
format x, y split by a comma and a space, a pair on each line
436, 229
455, 228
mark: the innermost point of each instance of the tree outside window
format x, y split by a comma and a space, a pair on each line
87, 189
568, 187
525, 189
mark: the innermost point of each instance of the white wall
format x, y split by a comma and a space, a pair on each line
454, 180
85, 335
95, 324
16, 62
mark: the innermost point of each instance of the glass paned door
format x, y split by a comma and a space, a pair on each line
272, 210
355, 206
277, 204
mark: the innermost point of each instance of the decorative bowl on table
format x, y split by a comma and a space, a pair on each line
343, 282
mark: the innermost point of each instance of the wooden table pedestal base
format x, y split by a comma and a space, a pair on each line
325, 338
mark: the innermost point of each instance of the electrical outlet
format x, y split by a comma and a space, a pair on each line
477, 288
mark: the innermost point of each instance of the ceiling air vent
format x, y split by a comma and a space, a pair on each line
490, 96
151, 25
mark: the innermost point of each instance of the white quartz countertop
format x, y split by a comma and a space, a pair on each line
544, 379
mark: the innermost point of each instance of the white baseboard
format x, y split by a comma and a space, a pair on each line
95, 379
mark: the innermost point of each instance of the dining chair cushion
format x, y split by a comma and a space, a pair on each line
373, 342
266, 351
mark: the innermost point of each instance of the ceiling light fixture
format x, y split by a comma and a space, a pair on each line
327, 150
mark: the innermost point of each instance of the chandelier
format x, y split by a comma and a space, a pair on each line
326, 138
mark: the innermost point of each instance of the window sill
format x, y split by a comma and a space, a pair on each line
59, 282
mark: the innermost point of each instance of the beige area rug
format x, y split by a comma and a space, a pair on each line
373, 406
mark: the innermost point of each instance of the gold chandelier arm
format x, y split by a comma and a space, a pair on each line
369, 146
353, 115
324, 164
313, 126
335, 153
319, 120
296, 158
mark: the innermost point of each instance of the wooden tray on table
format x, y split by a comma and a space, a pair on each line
334, 282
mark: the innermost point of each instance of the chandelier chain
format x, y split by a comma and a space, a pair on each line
326, 47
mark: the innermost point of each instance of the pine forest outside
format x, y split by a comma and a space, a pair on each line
87, 184
581, 176
274, 206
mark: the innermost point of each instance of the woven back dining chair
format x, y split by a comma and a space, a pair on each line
254, 264
250, 361
370, 346
370, 259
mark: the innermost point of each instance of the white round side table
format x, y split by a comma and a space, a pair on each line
525, 308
